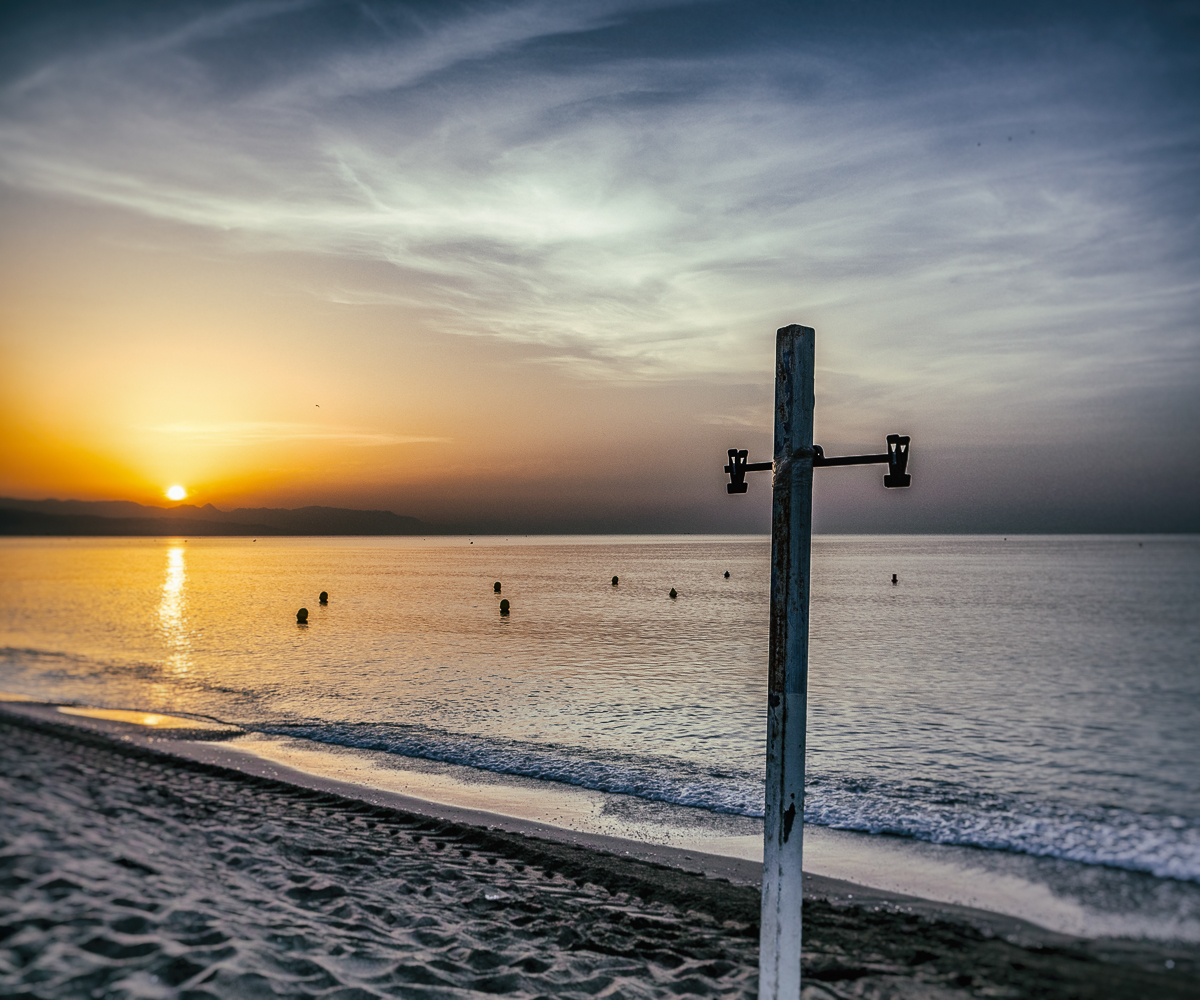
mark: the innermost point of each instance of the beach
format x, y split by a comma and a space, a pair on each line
132, 869
626, 499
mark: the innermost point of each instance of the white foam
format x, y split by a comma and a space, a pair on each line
938, 812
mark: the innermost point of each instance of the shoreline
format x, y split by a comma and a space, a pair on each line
206, 750
1021, 897
1068, 898
861, 922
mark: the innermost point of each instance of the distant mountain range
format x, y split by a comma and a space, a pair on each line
122, 517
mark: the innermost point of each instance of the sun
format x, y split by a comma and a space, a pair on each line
176, 493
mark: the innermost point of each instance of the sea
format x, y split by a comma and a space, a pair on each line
1022, 704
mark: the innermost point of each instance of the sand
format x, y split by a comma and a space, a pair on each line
128, 871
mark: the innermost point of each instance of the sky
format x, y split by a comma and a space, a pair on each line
518, 267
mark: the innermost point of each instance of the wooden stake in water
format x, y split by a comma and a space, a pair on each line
787, 678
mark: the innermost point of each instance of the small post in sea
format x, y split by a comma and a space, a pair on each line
787, 674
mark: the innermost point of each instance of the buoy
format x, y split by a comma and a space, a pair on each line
302, 616
614, 581
894, 580
324, 598
727, 574
496, 586
504, 606
672, 594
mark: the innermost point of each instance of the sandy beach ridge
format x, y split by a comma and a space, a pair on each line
875, 944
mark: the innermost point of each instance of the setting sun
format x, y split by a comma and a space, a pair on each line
176, 493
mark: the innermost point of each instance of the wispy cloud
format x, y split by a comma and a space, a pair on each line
236, 433
756, 417
401, 62
974, 228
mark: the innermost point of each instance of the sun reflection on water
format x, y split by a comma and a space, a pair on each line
172, 612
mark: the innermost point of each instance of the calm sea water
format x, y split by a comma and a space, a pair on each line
1036, 694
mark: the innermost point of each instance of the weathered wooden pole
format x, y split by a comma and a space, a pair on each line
787, 677
787, 674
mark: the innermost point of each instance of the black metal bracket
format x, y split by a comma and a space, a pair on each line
896, 459
737, 469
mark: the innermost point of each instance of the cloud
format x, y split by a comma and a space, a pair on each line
235, 433
756, 417
406, 61
978, 225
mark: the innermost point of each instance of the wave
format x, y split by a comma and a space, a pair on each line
659, 779
1164, 845
1167, 846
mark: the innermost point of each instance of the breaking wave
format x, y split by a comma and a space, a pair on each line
1167, 846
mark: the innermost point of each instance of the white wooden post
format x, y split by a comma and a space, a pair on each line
787, 685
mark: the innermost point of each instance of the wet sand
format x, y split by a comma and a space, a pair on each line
130, 872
